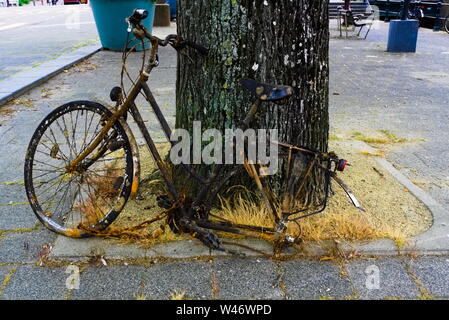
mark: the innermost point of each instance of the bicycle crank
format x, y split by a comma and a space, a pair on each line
207, 237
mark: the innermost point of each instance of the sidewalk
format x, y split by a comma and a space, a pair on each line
369, 90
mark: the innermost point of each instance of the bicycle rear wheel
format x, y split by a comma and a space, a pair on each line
91, 197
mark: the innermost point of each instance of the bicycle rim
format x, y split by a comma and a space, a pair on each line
91, 198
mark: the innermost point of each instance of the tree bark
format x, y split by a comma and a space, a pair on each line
273, 41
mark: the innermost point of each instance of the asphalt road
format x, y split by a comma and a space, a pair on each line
32, 35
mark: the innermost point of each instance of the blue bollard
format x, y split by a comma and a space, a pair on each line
110, 17
403, 36
172, 4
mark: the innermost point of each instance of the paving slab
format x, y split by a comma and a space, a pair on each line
189, 278
110, 283
309, 280
12, 192
4, 271
36, 283
433, 273
242, 279
16, 217
382, 278
24, 247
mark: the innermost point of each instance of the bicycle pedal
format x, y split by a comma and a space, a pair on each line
208, 238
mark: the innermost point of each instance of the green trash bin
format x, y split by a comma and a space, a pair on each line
112, 28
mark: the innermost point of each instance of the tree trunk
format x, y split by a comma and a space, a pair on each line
273, 41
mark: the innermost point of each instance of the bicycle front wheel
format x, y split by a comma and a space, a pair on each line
91, 197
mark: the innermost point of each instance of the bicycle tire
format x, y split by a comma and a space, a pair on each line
99, 192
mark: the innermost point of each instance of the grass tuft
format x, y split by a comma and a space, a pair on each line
392, 137
389, 137
178, 295
372, 154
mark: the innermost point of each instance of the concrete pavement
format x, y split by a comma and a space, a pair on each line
359, 105
31, 36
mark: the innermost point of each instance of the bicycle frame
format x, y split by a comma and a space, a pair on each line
203, 200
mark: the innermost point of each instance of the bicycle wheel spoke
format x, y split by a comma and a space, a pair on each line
94, 135
93, 203
84, 195
61, 201
57, 168
83, 146
74, 126
53, 194
56, 142
50, 149
47, 172
65, 133
42, 183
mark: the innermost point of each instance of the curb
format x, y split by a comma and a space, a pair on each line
18, 84
78, 249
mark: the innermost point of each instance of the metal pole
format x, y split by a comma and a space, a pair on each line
405, 10
437, 26
339, 22
387, 11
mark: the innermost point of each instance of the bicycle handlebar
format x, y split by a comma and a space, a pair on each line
138, 15
177, 42
201, 50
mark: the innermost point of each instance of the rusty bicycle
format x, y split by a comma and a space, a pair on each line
82, 164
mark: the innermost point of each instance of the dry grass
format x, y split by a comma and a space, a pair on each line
387, 137
391, 212
332, 224
242, 211
141, 296
359, 136
372, 154
178, 295
145, 205
97, 203
103, 187
392, 137
48, 92
21, 101
6, 111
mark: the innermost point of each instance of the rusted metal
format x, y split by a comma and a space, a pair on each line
192, 215
136, 158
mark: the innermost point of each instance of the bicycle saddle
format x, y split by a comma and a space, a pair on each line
267, 92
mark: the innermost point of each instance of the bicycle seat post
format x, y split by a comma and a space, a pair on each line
251, 113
